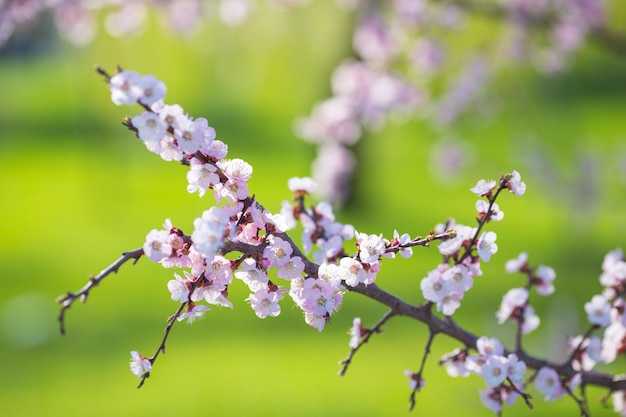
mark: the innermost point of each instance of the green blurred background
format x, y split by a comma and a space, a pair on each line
78, 190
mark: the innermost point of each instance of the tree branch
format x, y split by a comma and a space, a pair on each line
68, 299
438, 325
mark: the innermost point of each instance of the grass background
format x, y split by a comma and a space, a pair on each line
78, 190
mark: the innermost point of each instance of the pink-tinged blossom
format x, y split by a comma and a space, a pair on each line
74, 21
459, 277
254, 277
516, 185
450, 303
398, 240
487, 246
372, 39
295, 290
516, 369
152, 89
488, 347
514, 299
179, 257
473, 266
277, 252
234, 12
334, 120
495, 370
612, 258
179, 287
150, 128
236, 169
172, 115
333, 168
549, 384
357, 331
193, 312
189, 135
139, 365
127, 20
483, 188
329, 248
370, 272
588, 352
265, 302
320, 297
542, 280
154, 146
450, 247
598, 311
305, 185
474, 363
157, 246
124, 88
614, 275
208, 133
434, 287
530, 321
371, 247
494, 398
618, 310
215, 297
232, 190
415, 381
201, 177
613, 342
314, 320
495, 214
427, 56
454, 363
352, 271
518, 264
619, 402
169, 150
330, 273
217, 150
275, 223
292, 269
219, 272
287, 211
209, 231
515, 306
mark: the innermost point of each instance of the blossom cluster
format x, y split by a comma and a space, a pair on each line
503, 374
606, 312
238, 238
237, 223
403, 66
446, 285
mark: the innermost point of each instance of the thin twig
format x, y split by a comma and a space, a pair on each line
422, 314
364, 339
523, 394
471, 244
418, 375
170, 323
68, 299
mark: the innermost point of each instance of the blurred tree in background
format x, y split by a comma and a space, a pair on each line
423, 97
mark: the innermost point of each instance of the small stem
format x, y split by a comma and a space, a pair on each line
170, 323
364, 339
68, 299
418, 375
